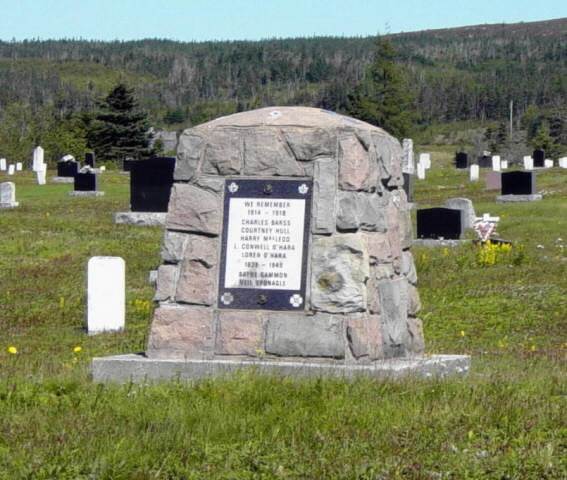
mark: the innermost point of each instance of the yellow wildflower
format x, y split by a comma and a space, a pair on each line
13, 350
462, 333
77, 349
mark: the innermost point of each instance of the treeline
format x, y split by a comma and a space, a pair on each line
469, 73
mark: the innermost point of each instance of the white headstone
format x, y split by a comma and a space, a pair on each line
408, 165
3, 164
548, 163
41, 173
503, 164
563, 162
11, 169
8, 195
37, 158
420, 171
496, 165
528, 163
425, 159
106, 296
19, 167
473, 173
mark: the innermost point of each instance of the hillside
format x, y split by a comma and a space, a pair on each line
457, 74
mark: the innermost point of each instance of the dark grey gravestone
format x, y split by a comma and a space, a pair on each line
85, 182
408, 186
265, 238
440, 223
485, 161
461, 160
150, 184
90, 159
518, 183
68, 169
539, 158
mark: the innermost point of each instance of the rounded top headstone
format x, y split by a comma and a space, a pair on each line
288, 116
284, 141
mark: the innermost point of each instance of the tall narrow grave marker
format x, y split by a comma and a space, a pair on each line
106, 294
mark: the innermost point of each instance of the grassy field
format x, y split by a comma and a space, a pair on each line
505, 420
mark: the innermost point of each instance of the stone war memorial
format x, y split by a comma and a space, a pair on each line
286, 248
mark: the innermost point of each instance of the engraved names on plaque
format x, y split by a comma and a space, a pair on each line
264, 244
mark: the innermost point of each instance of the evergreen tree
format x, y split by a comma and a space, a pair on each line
121, 128
383, 98
544, 141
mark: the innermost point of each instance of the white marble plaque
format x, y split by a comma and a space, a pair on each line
265, 243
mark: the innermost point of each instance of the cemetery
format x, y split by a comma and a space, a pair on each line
336, 256
455, 316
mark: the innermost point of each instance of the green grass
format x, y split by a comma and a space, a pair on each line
505, 420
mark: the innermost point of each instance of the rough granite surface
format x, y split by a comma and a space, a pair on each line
362, 300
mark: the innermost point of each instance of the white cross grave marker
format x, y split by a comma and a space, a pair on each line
485, 226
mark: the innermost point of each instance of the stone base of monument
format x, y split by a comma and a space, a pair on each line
62, 179
432, 242
142, 219
86, 194
9, 205
519, 198
138, 368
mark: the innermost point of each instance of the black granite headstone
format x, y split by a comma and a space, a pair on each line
127, 164
518, 183
150, 184
90, 159
68, 169
408, 186
437, 223
539, 158
485, 161
86, 182
461, 160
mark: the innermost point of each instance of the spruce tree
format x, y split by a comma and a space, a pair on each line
121, 129
544, 141
383, 98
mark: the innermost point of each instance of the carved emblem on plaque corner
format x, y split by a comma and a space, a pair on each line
296, 300
303, 189
227, 298
233, 188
